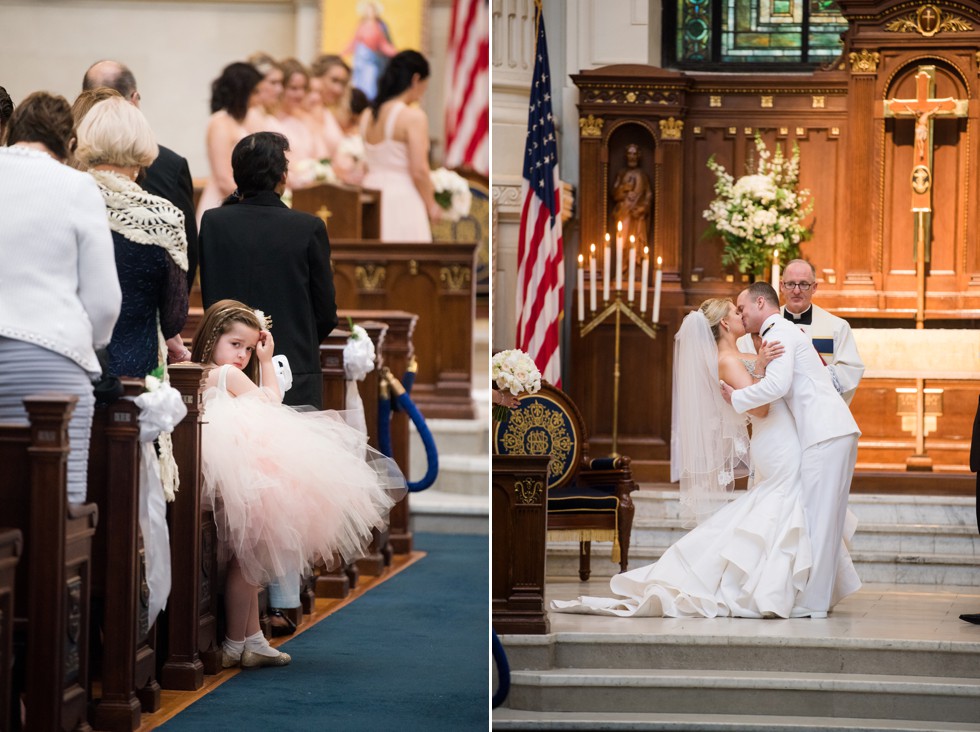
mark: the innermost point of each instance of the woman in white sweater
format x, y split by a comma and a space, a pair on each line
59, 293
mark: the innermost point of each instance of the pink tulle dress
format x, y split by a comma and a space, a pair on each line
288, 487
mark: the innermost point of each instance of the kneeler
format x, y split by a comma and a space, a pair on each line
588, 499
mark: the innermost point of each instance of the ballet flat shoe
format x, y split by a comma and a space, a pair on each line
250, 659
229, 661
769, 615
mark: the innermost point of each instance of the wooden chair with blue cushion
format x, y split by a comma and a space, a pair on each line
588, 499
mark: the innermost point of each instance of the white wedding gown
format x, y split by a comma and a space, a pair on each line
752, 557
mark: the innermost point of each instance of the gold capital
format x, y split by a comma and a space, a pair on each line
670, 128
864, 61
591, 126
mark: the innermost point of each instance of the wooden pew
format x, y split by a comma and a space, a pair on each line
11, 545
435, 281
52, 593
192, 647
128, 657
520, 495
350, 212
378, 555
399, 350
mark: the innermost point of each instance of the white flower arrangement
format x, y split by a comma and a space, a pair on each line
761, 212
352, 146
359, 354
311, 171
516, 372
452, 193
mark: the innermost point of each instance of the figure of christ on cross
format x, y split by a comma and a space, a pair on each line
923, 109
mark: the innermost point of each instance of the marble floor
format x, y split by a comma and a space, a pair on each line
912, 613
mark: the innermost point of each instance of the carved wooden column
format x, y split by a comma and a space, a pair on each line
669, 198
519, 488
864, 188
185, 615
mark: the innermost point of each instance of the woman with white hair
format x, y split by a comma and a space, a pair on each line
115, 143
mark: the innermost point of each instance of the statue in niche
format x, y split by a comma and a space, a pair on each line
633, 195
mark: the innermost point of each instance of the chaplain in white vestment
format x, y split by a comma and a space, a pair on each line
830, 335
828, 436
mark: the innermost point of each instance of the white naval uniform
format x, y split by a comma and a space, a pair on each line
834, 341
828, 435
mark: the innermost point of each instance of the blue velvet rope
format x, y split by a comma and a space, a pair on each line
384, 425
405, 404
431, 454
503, 671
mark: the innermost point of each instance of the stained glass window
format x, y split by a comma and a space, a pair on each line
706, 33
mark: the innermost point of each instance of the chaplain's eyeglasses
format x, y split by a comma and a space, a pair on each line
790, 286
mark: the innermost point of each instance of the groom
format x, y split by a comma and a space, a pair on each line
828, 436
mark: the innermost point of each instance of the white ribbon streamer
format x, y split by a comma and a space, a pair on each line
161, 409
359, 360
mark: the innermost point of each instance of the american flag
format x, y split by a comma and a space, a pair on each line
468, 87
540, 275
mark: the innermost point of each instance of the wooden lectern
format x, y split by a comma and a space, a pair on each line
349, 212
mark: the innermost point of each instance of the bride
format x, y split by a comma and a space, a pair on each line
746, 558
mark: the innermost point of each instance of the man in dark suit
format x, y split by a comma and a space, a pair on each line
975, 467
169, 176
256, 250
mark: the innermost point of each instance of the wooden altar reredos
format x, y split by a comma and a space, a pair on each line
855, 161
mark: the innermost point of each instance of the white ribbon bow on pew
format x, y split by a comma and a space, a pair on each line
161, 409
359, 360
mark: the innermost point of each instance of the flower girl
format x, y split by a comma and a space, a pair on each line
286, 487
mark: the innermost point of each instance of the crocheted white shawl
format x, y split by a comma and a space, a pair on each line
142, 217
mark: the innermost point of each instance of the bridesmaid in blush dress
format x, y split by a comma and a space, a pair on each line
230, 96
396, 148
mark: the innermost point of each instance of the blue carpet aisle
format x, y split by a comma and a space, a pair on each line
410, 654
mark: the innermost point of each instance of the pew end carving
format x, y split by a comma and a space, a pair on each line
53, 586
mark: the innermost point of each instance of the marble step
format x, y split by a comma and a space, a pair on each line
877, 567
657, 501
907, 539
823, 653
519, 719
452, 437
944, 699
440, 512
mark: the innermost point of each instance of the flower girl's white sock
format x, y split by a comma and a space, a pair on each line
258, 644
233, 648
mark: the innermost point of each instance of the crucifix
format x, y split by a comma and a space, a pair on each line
924, 108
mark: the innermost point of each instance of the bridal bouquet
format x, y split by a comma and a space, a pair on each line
311, 171
513, 371
452, 193
761, 212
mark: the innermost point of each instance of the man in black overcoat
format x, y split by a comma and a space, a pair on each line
975, 467
256, 250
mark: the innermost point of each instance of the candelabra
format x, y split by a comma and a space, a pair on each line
617, 307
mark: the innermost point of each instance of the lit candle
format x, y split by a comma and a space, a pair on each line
581, 289
619, 256
632, 268
657, 281
592, 278
775, 270
644, 279
606, 268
